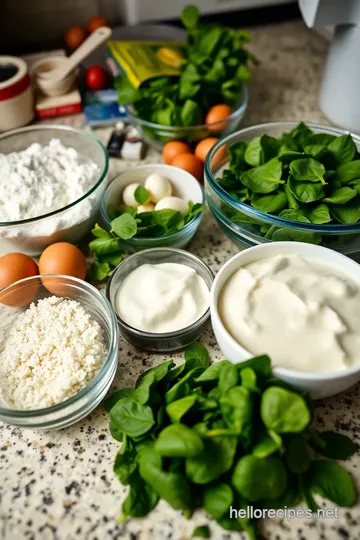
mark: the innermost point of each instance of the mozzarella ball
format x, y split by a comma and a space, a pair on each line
145, 208
128, 195
158, 187
173, 203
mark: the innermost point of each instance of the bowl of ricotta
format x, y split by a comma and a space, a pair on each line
52, 178
161, 298
299, 304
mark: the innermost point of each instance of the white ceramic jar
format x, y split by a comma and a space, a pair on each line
16, 94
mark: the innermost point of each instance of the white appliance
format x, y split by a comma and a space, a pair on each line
135, 11
339, 95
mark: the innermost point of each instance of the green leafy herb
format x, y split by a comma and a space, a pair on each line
141, 194
201, 532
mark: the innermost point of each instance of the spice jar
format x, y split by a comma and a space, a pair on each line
16, 94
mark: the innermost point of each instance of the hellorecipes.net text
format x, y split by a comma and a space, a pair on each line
285, 513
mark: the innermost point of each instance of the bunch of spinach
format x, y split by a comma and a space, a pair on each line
201, 435
126, 223
214, 71
301, 176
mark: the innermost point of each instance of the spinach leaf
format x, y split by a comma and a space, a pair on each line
253, 152
190, 17
124, 226
182, 387
265, 446
321, 138
334, 445
343, 148
105, 244
287, 155
228, 378
212, 373
284, 411
201, 532
248, 379
298, 457
110, 401
141, 194
100, 270
125, 466
126, 92
160, 372
301, 134
294, 215
217, 499
292, 201
348, 171
340, 196
317, 151
179, 441
264, 179
330, 480
258, 479
307, 170
260, 364
177, 409
237, 411
191, 113
320, 214
272, 203
141, 499
132, 418
306, 192
347, 213
270, 147
196, 355
237, 159
216, 460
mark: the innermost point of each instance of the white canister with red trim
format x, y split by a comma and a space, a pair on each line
16, 94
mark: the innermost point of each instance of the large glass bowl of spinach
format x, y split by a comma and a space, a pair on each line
284, 181
214, 71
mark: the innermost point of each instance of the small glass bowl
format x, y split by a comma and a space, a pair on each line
157, 135
170, 341
14, 299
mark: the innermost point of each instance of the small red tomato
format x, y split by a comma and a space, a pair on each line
96, 77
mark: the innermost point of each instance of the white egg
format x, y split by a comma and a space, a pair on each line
158, 186
173, 203
128, 195
145, 208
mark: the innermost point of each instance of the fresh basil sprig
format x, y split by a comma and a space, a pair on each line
126, 223
220, 435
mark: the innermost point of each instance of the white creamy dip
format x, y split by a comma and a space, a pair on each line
304, 314
162, 297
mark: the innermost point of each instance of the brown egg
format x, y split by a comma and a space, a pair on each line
13, 267
191, 164
203, 147
173, 149
216, 114
61, 258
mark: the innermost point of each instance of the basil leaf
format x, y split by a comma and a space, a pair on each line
179, 441
264, 179
307, 170
320, 214
141, 194
269, 203
340, 196
330, 480
124, 226
343, 148
284, 411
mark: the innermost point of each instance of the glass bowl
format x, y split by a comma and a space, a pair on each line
170, 341
31, 236
157, 135
184, 185
14, 299
246, 225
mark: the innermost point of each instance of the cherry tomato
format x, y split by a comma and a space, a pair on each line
96, 22
74, 37
96, 77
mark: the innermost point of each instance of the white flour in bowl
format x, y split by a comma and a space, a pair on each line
42, 179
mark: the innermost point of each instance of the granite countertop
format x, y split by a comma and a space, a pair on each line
60, 485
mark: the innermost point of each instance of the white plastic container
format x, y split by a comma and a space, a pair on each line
16, 94
320, 385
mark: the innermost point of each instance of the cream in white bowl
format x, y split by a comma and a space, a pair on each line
297, 302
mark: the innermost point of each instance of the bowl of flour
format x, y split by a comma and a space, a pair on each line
51, 181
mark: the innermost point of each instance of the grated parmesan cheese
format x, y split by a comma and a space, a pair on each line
51, 352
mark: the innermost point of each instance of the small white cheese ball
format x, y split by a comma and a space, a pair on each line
173, 203
145, 208
158, 187
128, 195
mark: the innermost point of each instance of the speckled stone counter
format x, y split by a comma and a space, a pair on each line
60, 485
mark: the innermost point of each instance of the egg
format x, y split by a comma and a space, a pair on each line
173, 203
13, 267
158, 187
189, 163
128, 195
203, 147
61, 258
145, 208
173, 149
216, 114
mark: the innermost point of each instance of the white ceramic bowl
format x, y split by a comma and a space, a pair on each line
184, 185
320, 385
